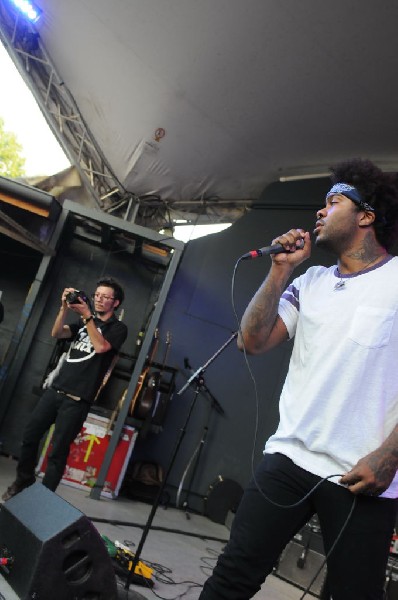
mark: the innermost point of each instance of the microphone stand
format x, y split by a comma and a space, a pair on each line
194, 460
156, 502
207, 363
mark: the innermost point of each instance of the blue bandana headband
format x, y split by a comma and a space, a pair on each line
351, 192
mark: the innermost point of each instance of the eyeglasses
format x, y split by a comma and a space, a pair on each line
98, 296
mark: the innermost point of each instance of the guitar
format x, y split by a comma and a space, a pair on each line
144, 374
148, 398
115, 411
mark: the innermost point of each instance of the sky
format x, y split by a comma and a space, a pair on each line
41, 150
23, 117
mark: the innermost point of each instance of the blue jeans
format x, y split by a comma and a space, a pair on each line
260, 531
68, 416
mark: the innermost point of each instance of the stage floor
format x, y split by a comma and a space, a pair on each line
182, 550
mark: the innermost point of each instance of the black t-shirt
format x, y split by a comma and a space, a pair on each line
83, 370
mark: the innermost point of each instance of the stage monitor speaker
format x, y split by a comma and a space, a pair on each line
299, 571
56, 551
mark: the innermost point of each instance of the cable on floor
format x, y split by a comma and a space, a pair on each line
162, 575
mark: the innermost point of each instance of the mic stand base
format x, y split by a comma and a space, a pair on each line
156, 502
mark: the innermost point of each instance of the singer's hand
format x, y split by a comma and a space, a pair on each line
373, 474
294, 255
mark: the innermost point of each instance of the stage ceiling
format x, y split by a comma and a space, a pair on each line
203, 103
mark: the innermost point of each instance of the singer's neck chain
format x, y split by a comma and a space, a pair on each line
340, 285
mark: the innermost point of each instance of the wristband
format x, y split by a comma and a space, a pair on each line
87, 319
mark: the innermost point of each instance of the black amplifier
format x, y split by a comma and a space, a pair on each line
303, 560
391, 585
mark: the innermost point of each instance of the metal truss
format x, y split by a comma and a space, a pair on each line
57, 104
59, 108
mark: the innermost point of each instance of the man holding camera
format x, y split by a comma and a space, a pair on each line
95, 340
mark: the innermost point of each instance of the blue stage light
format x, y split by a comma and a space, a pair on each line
29, 9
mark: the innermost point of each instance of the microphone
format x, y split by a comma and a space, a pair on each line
274, 249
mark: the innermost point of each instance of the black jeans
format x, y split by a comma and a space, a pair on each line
68, 416
260, 531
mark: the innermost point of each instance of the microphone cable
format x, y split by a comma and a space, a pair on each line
256, 398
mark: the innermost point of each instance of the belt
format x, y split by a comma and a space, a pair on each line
71, 396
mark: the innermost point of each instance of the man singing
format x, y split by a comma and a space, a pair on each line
335, 451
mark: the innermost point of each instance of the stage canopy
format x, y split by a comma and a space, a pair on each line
197, 105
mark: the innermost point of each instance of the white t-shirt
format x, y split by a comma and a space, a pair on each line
340, 398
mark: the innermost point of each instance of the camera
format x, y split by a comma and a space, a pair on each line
73, 297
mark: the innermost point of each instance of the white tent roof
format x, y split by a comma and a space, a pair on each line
193, 99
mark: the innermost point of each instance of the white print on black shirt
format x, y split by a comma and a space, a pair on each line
82, 344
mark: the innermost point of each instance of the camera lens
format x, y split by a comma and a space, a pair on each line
72, 297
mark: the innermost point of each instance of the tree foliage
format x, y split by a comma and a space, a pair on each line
12, 163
